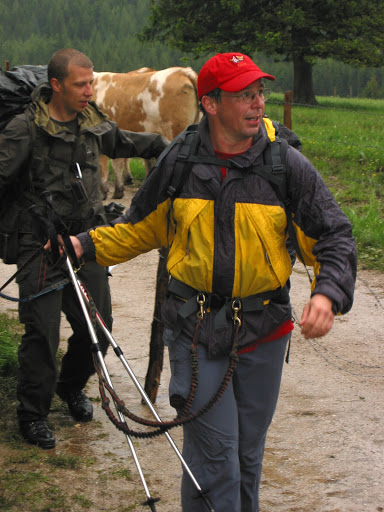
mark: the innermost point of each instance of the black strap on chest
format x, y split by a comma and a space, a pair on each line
188, 148
275, 172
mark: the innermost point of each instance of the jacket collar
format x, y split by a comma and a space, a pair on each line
89, 119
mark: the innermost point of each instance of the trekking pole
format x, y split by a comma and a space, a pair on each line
80, 294
202, 494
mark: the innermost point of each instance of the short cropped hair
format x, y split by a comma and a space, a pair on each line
58, 64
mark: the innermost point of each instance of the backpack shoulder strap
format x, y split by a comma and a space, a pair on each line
275, 172
188, 145
274, 169
29, 113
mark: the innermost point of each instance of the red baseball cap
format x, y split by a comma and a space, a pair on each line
231, 72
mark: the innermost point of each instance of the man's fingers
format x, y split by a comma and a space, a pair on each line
304, 315
317, 318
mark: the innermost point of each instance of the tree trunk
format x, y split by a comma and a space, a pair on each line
302, 81
156, 347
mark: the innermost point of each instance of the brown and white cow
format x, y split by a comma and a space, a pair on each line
145, 100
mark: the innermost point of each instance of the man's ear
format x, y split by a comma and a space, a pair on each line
209, 104
55, 84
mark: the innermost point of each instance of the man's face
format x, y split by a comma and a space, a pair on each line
237, 119
76, 89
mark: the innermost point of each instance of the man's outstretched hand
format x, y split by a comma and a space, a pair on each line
77, 247
317, 318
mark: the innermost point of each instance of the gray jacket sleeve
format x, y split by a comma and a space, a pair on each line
320, 218
118, 143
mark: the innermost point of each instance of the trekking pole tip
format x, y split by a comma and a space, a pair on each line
207, 501
151, 503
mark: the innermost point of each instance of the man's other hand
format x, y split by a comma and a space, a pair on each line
317, 318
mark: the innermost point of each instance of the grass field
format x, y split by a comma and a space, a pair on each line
343, 138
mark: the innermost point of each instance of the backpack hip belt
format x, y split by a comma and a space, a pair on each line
195, 300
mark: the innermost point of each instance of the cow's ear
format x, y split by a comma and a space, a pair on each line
209, 104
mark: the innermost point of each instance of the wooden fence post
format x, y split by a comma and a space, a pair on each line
6, 65
288, 100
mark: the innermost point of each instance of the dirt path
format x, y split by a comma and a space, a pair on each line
325, 450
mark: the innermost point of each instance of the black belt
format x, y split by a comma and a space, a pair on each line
222, 304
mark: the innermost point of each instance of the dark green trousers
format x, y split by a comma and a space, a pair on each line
38, 372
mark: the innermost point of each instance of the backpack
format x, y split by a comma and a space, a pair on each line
16, 87
273, 170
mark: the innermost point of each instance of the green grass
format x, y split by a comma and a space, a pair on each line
137, 168
9, 340
343, 139
30, 479
10, 334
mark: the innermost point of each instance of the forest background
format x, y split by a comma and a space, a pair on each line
32, 30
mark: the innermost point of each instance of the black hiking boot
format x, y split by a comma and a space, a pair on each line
37, 432
79, 405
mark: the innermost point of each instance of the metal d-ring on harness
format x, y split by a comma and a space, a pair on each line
236, 306
185, 415
200, 298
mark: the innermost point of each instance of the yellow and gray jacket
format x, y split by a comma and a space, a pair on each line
228, 238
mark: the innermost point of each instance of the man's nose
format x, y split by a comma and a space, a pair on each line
257, 100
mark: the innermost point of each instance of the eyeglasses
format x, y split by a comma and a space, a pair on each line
249, 97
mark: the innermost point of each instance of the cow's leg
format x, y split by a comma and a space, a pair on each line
156, 347
118, 167
127, 173
148, 166
104, 187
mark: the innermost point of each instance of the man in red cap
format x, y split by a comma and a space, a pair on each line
228, 305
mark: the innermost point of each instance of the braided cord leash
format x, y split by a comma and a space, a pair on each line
185, 416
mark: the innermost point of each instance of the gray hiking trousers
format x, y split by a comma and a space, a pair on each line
224, 448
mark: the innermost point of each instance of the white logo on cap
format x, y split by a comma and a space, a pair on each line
236, 58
